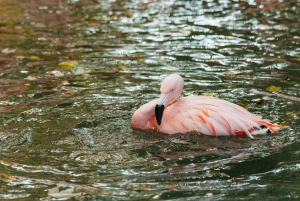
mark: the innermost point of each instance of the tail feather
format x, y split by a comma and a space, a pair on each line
273, 128
264, 128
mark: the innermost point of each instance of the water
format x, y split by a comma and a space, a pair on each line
73, 73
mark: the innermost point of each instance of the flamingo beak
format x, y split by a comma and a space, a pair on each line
159, 110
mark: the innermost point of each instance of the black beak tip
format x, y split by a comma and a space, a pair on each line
159, 109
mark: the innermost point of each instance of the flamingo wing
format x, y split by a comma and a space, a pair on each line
211, 116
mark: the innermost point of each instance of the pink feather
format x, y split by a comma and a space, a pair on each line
204, 114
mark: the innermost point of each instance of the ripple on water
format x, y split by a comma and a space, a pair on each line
74, 72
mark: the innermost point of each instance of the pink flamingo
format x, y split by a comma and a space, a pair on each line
204, 114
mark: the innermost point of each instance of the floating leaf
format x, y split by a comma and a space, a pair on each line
79, 71
273, 88
232, 72
63, 194
19, 57
171, 186
209, 194
111, 71
123, 67
180, 141
188, 29
56, 73
293, 114
48, 88
209, 94
30, 77
283, 123
8, 103
287, 79
67, 90
6, 177
128, 14
78, 84
94, 24
85, 74
237, 179
296, 58
34, 58
258, 101
216, 63
68, 65
8, 50
147, 186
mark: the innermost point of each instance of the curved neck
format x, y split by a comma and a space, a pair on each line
141, 117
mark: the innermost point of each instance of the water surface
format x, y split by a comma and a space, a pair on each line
73, 73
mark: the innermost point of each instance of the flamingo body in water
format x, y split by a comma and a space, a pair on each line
204, 114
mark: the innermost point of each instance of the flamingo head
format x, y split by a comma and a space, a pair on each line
170, 89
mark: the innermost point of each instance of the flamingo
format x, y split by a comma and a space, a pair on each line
204, 114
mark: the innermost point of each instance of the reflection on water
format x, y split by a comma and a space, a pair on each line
73, 72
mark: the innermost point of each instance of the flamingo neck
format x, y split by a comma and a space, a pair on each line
142, 116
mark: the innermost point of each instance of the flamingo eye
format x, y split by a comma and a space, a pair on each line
172, 89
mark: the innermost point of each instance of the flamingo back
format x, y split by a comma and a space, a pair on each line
212, 116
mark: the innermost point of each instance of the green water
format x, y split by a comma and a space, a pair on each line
73, 73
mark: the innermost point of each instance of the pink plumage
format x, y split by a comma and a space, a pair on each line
204, 114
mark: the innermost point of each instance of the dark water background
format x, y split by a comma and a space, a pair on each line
73, 72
